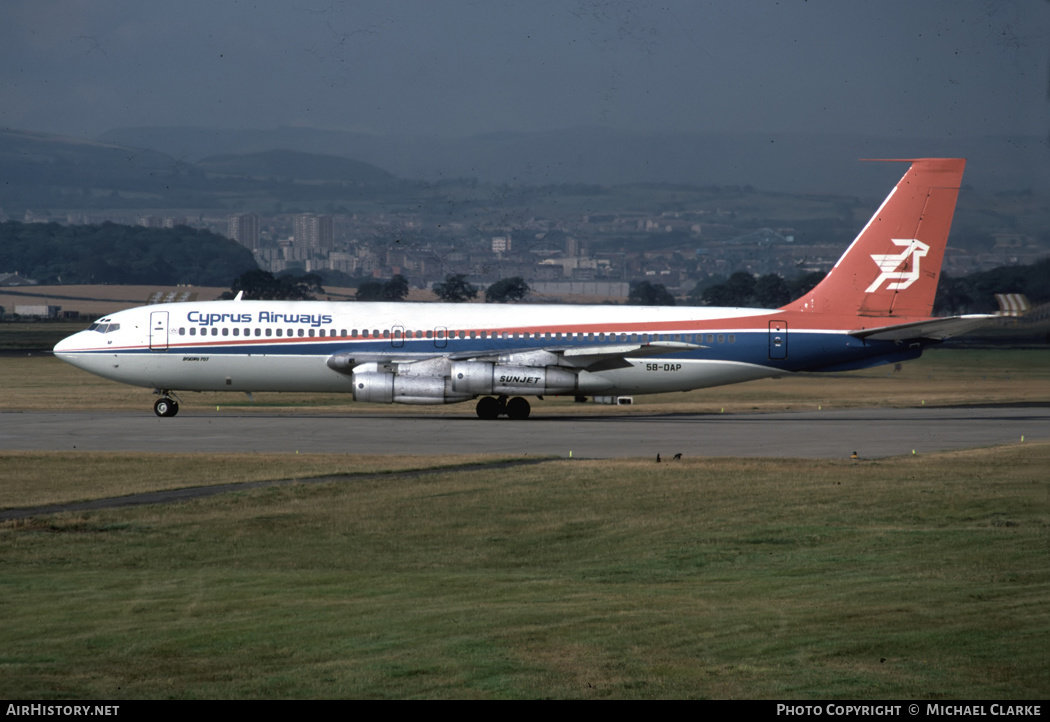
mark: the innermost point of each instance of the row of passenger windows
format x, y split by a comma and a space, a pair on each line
443, 334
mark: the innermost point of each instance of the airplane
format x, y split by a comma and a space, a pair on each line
872, 308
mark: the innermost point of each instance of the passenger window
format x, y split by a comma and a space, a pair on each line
732, 338
268, 331
721, 338
182, 332
215, 331
311, 333
301, 333
236, 332
193, 332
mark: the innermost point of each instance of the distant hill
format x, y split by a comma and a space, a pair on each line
290, 164
782, 162
41, 158
114, 254
52, 171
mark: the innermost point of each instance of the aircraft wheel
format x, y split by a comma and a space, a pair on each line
487, 408
518, 408
166, 407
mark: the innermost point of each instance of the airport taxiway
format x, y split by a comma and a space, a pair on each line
872, 433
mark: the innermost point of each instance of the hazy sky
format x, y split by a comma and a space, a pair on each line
459, 67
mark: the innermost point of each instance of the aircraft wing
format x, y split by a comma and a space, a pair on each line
587, 358
602, 358
935, 328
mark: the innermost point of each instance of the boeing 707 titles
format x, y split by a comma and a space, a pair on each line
874, 307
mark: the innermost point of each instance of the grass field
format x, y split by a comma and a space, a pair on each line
914, 578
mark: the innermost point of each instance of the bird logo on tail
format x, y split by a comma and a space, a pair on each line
896, 267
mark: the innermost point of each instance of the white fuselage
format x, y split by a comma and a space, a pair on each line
287, 345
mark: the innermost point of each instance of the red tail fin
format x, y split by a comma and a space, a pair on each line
892, 267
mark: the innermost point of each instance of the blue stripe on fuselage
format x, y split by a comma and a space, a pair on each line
805, 350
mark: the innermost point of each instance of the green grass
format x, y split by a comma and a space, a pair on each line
919, 578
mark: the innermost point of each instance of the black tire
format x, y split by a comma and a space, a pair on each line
518, 408
166, 408
487, 408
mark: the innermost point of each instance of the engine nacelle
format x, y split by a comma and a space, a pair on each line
385, 384
374, 388
483, 377
387, 388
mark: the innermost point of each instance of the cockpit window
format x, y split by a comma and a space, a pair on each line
104, 327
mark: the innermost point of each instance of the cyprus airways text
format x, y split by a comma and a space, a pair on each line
211, 319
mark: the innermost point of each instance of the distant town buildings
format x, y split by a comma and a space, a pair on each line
244, 228
313, 232
706, 237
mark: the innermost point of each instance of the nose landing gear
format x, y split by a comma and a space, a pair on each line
166, 405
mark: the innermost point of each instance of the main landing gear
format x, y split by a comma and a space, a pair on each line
490, 407
166, 405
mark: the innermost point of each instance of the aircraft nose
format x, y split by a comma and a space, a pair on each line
66, 346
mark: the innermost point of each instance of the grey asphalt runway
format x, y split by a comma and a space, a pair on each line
872, 433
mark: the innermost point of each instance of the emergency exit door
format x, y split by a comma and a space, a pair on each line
158, 331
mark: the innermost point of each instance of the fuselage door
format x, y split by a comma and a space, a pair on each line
778, 340
158, 331
440, 337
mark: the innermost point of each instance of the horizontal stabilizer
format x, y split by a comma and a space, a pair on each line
936, 328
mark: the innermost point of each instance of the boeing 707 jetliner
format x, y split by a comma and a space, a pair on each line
872, 308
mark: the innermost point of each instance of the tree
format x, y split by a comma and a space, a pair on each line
507, 289
308, 284
738, 290
650, 294
772, 291
261, 285
396, 289
455, 289
370, 290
